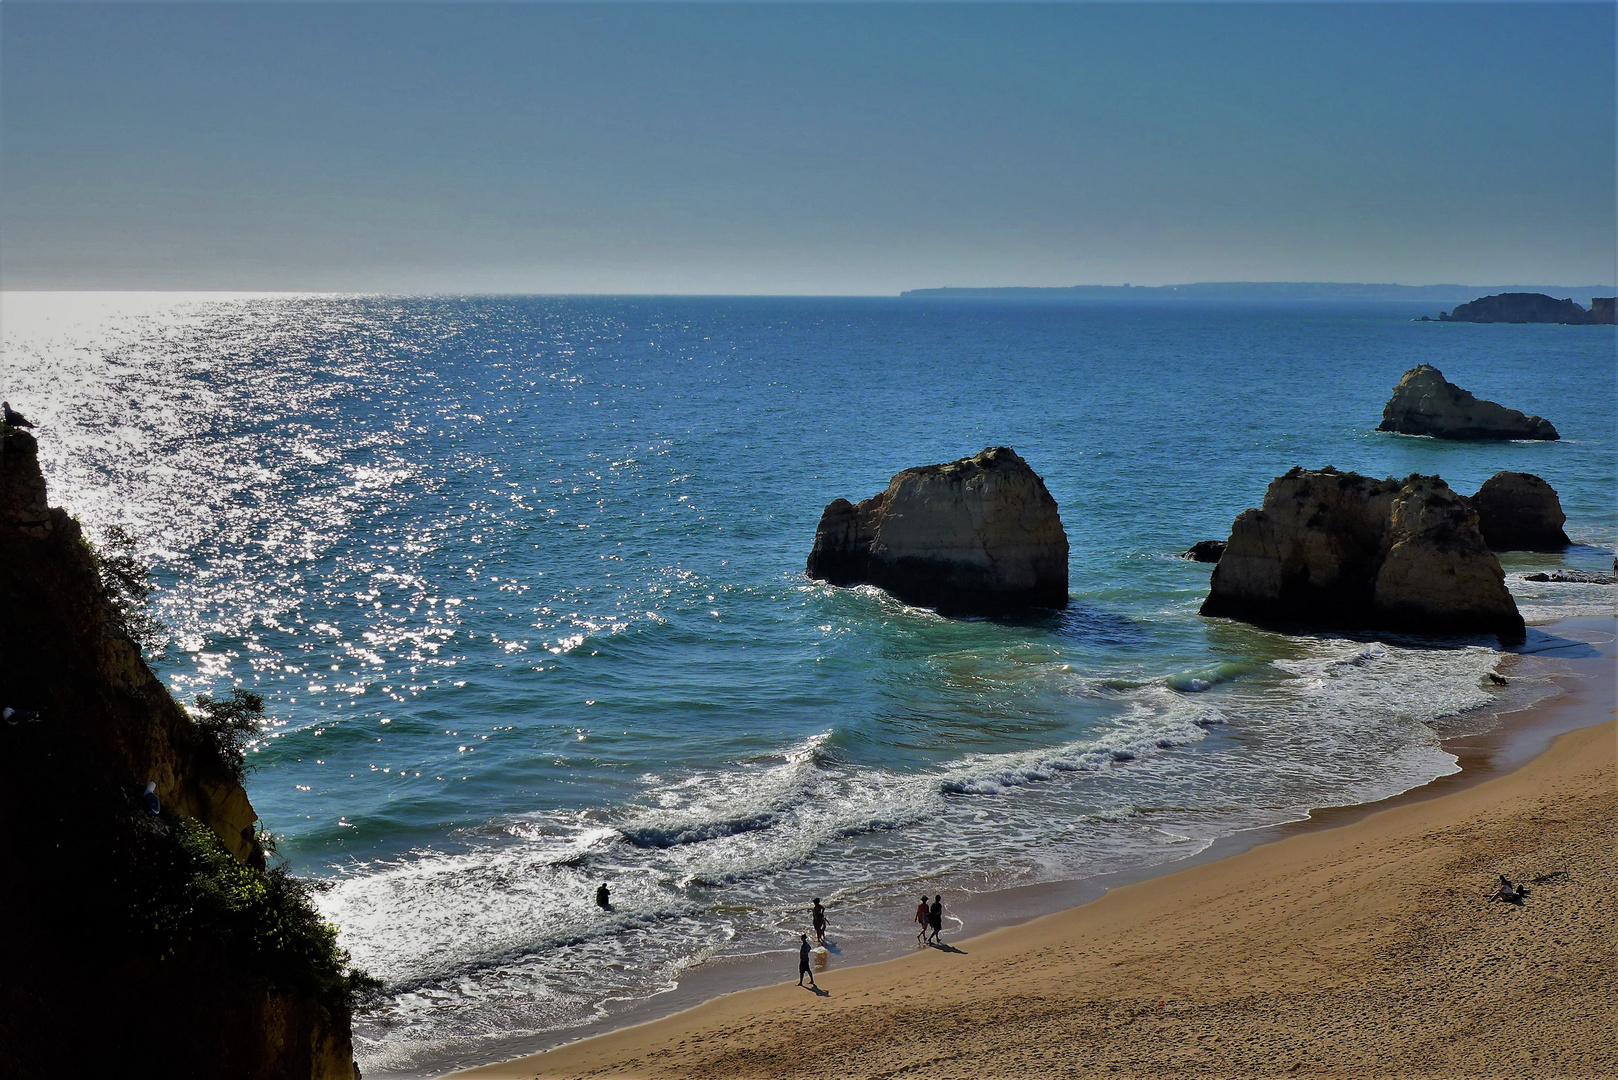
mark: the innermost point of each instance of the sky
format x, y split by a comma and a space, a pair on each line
802, 149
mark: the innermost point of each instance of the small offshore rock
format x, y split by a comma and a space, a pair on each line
978, 536
1426, 403
1339, 550
1575, 577
1205, 551
1520, 512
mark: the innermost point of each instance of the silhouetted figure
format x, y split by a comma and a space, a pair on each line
1507, 893
803, 962
923, 918
153, 806
935, 918
817, 918
14, 418
603, 898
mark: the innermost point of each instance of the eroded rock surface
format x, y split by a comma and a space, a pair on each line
1339, 550
981, 535
1206, 551
1426, 403
1520, 512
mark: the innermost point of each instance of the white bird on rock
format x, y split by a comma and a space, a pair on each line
14, 418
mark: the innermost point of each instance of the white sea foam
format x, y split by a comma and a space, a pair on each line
498, 938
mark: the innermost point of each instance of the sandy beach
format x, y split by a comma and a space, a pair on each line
1364, 947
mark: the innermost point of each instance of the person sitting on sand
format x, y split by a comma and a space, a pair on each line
935, 919
1507, 893
803, 962
923, 917
817, 918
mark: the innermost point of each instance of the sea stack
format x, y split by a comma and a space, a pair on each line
1520, 512
1426, 403
1343, 551
978, 536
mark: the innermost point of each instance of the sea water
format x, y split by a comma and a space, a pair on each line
522, 583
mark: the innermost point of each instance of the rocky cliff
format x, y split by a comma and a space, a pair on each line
1426, 403
1520, 307
1340, 550
1520, 512
977, 536
137, 942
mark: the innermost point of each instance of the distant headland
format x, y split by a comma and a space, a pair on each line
1256, 291
1531, 308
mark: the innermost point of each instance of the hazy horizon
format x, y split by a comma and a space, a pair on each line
787, 149
1573, 290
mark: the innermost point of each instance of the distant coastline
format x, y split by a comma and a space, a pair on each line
1258, 291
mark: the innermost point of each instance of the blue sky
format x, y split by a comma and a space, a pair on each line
779, 148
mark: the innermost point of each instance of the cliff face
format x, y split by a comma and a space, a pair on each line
1520, 512
69, 660
1339, 550
1426, 403
1520, 307
91, 988
981, 535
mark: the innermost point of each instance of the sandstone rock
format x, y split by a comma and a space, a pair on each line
1426, 403
1520, 512
22, 487
1206, 551
1340, 550
977, 536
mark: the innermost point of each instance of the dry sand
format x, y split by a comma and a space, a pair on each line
1365, 949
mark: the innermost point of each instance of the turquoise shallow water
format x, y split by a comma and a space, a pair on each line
522, 582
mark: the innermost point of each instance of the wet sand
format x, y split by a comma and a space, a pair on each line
1356, 943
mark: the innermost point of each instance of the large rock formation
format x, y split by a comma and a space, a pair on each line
1602, 311
137, 943
1426, 403
977, 536
1340, 550
1520, 512
1520, 307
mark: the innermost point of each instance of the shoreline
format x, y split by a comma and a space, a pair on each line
1557, 654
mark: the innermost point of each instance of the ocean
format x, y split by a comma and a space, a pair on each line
522, 583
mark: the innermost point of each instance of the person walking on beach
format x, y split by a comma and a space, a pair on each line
803, 962
935, 918
817, 918
923, 919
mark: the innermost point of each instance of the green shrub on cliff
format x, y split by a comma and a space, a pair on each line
128, 584
264, 922
227, 726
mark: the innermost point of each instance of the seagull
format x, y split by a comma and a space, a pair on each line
14, 418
